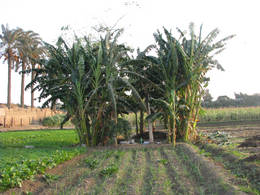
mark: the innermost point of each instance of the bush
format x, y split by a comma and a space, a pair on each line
54, 121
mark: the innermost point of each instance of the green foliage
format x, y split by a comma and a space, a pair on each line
13, 174
39, 139
122, 127
109, 170
54, 121
89, 81
92, 163
178, 71
48, 178
51, 147
230, 114
163, 161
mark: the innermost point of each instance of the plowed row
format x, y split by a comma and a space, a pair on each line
142, 170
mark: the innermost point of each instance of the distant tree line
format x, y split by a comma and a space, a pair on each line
240, 100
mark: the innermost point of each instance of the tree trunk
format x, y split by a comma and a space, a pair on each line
22, 85
136, 123
32, 93
141, 122
150, 126
9, 82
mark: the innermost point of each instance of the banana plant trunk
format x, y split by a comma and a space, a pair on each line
141, 122
150, 125
136, 123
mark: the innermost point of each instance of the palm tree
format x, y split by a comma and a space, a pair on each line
9, 46
25, 43
37, 51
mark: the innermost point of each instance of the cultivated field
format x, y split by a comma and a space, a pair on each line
136, 170
230, 114
49, 162
235, 145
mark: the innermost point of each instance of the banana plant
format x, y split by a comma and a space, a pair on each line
182, 65
88, 79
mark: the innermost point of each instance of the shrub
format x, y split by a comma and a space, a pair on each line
109, 170
54, 121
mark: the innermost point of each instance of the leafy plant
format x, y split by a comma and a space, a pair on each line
48, 178
13, 174
109, 170
54, 121
163, 161
92, 163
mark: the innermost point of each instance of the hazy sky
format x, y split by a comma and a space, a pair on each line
141, 18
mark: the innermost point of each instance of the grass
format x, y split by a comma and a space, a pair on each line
230, 114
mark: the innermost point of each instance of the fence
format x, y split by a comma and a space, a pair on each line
15, 117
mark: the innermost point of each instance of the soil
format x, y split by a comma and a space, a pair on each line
246, 136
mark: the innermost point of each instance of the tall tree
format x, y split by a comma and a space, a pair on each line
25, 49
37, 51
8, 44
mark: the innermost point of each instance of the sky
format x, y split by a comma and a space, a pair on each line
140, 19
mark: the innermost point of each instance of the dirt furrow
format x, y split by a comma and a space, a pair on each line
246, 174
208, 177
163, 184
94, 182
182, 182
117, 184
135, 187
148, 180
124, 177
76, 178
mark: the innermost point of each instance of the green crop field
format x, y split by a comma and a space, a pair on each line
230, 114
153, 169
25, 153
141, 170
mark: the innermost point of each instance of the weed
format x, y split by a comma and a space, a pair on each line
109, 170
163, 161
92, 163
48, 178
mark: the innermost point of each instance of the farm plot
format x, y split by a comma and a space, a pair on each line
242, 139
237, 148
136, 170
24, 154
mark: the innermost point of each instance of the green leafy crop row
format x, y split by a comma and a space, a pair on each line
13, 174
